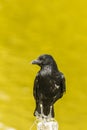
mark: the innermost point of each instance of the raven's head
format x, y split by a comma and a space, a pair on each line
44, 60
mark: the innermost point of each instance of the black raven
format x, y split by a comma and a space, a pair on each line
49, 86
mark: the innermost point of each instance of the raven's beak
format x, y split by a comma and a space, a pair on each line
35, 62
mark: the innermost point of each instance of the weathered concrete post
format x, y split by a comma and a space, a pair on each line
47, 125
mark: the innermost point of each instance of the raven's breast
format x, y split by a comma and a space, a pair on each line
45, 87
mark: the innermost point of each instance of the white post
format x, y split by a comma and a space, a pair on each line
47, 125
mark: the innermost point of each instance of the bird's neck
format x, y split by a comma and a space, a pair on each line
49, 68
46, 68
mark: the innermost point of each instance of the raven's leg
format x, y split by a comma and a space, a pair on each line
50, 113
41, 107
42, 113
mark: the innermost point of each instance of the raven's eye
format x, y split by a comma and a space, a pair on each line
41, 58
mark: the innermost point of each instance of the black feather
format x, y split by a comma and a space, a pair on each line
49, 85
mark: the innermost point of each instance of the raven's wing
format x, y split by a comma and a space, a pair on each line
36, 88
62, 83
36, 94
59, 86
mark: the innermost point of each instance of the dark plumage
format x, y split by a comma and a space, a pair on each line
49, 86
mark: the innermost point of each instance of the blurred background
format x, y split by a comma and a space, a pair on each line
28, 29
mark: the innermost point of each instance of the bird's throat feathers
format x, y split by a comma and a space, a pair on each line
48, 70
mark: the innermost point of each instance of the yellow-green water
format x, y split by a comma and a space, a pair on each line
28, 29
